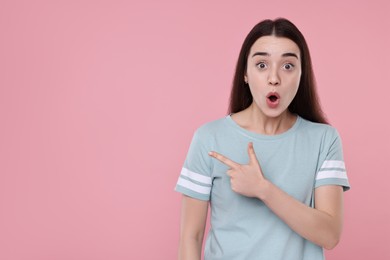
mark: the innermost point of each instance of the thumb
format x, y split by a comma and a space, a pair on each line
252, 155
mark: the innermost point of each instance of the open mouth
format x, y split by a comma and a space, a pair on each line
273, 97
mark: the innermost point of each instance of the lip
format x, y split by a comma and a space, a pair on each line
273, 104
273, 94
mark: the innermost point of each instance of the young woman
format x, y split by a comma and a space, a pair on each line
272, 171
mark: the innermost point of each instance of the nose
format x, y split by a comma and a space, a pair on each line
273, 78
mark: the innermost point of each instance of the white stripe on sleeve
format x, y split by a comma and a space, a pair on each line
333, 164
331, 174
193, 186
196, 176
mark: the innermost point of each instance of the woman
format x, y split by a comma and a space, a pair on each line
273, 169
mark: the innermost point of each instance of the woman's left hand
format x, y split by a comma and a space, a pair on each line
321, 225
245, 179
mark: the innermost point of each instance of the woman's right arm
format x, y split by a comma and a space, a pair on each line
193, 223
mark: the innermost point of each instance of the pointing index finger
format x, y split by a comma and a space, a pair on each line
252, 154
224, 160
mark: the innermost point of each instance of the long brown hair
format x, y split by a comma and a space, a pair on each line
306, 102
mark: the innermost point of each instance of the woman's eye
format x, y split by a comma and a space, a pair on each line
288, 66
261, 65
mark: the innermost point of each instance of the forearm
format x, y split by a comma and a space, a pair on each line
190, 249
193, 223
320, 227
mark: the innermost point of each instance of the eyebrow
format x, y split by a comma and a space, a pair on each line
287, 54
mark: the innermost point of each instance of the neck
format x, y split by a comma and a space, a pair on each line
254, 120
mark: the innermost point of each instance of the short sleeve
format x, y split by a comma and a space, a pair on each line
332, 170
195, 178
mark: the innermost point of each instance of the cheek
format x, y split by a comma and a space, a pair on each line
292, 87
256, 94
294, 81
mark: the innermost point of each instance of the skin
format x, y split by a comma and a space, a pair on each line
273, 65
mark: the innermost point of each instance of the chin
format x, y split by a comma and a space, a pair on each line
275, 113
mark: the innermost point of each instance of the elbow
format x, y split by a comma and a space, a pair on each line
331, 242
331, 236
196, 239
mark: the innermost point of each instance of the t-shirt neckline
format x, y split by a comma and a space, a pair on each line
244, 131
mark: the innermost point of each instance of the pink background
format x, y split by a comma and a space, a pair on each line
99, 101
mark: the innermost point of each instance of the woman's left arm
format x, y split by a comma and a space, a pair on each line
321, 225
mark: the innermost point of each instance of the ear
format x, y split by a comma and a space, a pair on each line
246, 78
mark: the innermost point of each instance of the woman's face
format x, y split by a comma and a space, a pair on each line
273, 74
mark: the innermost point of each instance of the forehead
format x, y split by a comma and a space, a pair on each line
274, 46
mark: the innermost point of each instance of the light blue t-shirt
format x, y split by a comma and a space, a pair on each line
299, 160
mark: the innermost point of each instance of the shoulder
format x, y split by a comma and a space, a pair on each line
324, 130
209, 129
205, 135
